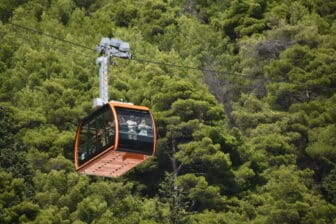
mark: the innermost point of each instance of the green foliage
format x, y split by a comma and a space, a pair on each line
202, 155
12, 152
13, 203
212, 217
7, 7
323, 143
174, 197
245, 120
7, 127
201, 195
298, 76
288, 199
329, 186
242, 18
251, 111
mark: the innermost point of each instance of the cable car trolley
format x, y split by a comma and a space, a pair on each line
114, 139
117, 136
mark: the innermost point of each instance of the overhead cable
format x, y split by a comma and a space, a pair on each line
140, 60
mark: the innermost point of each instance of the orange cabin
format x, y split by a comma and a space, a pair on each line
114, 139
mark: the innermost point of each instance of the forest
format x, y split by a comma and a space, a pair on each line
243, 93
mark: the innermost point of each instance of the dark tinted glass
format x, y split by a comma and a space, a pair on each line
97, 134
135, 131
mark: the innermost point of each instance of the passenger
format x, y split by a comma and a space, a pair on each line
111, 131
101, 137
132, 127
143, 127
122, 124
83, 156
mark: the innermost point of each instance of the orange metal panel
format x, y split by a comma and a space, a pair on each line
116, 122
77, 145
77, 166
133, 156
154, 133
93, 159
114, 104
113, 164
127, 105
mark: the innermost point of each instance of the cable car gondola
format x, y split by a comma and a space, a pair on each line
114, 139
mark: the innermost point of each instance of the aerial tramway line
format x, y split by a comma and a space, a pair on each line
108, 142
117, 136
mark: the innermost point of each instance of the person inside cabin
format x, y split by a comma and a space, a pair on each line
83, 156
122, 123
101, 137
143, 128
111, 131
132, 127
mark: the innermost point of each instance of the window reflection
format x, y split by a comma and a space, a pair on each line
96, 135
135, 131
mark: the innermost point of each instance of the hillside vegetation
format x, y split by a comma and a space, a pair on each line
243, 92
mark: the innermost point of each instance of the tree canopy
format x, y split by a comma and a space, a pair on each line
243, 93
